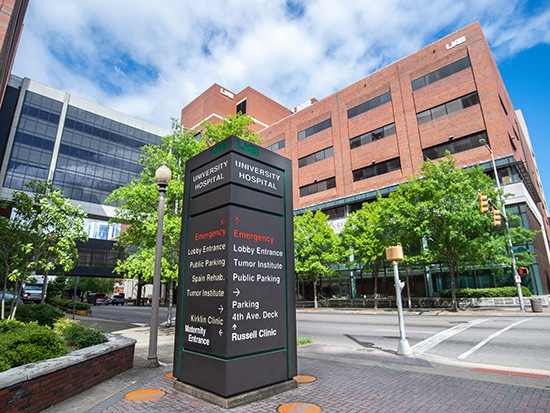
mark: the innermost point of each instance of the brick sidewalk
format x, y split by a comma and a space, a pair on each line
352, 387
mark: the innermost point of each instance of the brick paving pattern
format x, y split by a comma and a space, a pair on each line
352, 389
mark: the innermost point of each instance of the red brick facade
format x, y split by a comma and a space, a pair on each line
12, 13
41, 392
494, 115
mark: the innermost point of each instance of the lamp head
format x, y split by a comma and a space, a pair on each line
483, 141
163, 175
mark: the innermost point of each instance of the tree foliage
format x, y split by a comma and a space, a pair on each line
441, 205
365, 238
137, 201
47, 228
316, 248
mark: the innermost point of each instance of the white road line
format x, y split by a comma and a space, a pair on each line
408, 331
434, 340
498, 333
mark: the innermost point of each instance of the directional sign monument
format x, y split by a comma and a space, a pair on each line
236, 320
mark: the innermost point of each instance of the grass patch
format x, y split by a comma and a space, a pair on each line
302, 341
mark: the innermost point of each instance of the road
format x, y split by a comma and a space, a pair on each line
505, 340
515, 341
129, 313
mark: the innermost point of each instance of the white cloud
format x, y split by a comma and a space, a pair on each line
149, 59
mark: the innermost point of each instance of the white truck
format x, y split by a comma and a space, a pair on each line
32, 289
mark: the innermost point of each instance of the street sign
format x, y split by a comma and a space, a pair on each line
236, 321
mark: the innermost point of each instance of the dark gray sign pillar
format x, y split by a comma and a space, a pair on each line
236, 319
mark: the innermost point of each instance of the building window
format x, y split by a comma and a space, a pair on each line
372, 136
318, 187
503, 107
276, 146
370, 104
455, 146
315, 129
241, 107
335, 213
315, 157
98, 155
442, 73
32, 149
377, 169
447, 108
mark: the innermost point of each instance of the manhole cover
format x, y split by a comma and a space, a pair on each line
304, 379
144, 395
299, 408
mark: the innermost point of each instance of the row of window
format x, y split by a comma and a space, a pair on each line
32, 150
318, 187
372, 136
447, 108
315, 129
369, 104
112, 137
441, 73
455, 146
85, 155
316, 157
377, 169
276, 146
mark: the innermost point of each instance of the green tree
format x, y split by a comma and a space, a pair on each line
316, 248
137, 201
441, 205
50, 225
365, 238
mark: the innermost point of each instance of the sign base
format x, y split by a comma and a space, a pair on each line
240, 399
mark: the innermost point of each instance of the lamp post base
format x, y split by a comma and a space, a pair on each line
152, 362
403, 348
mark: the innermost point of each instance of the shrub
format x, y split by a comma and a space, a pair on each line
486, 292
79, 335
67, 303
44, 314
26, 343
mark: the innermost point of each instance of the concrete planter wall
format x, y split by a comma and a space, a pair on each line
36, 386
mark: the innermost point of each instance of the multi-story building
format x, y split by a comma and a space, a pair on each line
87, 150
372, 135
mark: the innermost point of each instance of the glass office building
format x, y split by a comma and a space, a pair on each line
87, 150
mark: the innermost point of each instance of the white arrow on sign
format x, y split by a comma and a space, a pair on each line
221, 333
234, 326
220, 308
237, 292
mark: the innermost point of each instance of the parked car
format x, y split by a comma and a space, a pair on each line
9, 297
97, 298
116, 300
32, 293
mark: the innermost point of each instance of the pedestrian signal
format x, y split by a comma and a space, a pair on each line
483, 203
496, 217
523, 271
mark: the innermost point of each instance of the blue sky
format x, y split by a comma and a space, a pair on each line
150, 59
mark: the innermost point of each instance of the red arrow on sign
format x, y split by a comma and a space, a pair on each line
223, 220
237, 219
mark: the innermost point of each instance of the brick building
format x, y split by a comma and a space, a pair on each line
374, 134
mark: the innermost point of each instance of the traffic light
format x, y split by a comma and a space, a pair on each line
523, 271
483, 203
496, 217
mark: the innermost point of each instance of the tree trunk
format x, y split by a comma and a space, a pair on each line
19, 290
453, 287
44, 288
315, 293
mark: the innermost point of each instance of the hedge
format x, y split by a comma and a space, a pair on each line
486, 292
43, 314
68, 303
26, 343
